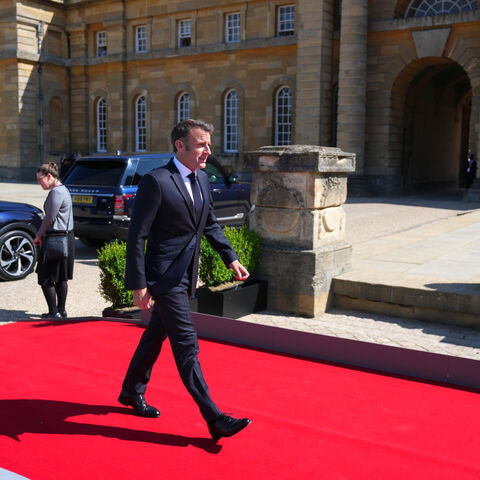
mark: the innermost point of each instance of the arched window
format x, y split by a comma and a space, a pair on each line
425, 8
283, 116
230, 122
101, 125
183, 107
141, 124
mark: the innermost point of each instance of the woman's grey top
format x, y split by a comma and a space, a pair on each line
58, 211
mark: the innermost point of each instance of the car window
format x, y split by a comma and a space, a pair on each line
95, 173
145, 166
214, 174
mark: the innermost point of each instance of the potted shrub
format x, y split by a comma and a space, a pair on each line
111, 260
221, 294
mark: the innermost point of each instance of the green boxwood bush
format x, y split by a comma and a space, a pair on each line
212, 271
246, 244
111, 260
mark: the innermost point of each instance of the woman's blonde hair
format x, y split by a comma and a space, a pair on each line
48, 168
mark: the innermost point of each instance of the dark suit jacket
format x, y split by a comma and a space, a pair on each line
163, 215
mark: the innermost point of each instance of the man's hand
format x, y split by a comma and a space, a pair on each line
241, 273
142, 298
37, 241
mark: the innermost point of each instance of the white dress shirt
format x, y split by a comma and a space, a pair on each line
185, 172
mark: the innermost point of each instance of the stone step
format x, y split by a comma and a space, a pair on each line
407, 296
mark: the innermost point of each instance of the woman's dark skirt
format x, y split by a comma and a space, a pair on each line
56, 271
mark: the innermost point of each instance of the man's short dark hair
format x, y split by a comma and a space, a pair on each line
181, 129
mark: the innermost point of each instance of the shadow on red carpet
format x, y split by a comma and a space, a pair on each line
59, 418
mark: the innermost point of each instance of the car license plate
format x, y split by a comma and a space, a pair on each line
85, 199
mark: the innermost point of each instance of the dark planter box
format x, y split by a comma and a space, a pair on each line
134, 313
235, 302
128, 313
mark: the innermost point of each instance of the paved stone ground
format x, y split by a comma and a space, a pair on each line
390, 237
367, 221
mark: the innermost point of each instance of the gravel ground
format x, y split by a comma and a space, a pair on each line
24, 298
367, 218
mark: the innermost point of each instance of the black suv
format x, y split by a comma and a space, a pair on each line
103, 189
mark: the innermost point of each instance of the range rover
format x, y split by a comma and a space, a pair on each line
103, 189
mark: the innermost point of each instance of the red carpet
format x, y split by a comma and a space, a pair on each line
59, 418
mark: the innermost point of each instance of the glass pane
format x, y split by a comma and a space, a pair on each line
96, 173
424, 8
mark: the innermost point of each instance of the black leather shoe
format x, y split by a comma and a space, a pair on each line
139, 404
63, 313
52, 315
225, 426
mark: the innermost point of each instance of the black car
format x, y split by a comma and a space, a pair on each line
19, 223
103, 189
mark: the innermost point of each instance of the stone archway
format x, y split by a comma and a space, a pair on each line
432, 119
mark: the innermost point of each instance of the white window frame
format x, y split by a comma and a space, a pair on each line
426, 8
232, 27
141, 124
283, 116
141, 38
185, 33
285, 20
101, 125
183, 106
230, 122
101, 43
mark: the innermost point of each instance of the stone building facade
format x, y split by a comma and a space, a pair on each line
397, 82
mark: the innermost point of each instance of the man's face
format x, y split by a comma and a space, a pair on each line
194, 149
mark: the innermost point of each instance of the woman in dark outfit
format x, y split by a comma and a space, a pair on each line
54, 274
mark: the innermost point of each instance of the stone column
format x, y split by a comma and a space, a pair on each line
79, 89
314, 72
352, 79
298, 192
473, 193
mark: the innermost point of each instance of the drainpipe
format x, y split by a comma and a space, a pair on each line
41, 132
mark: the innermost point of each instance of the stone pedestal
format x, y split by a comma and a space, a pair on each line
298, 192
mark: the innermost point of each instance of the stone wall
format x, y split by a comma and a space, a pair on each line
372, 94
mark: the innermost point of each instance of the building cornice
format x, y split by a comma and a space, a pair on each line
158, 54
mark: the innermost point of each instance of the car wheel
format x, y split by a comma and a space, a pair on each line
17, 255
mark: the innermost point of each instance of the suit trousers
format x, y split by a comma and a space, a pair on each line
172, 318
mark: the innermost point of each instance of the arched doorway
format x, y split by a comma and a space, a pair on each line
436, 120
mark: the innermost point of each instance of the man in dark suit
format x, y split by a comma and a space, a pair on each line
173, 209
471, 170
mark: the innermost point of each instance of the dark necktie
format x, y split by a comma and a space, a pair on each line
197, 198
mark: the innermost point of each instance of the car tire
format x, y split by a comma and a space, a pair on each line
18, 255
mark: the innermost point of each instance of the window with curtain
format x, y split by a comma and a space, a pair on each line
141, 124
101, 44
184, 33
231, 122
101, 125
283, 117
